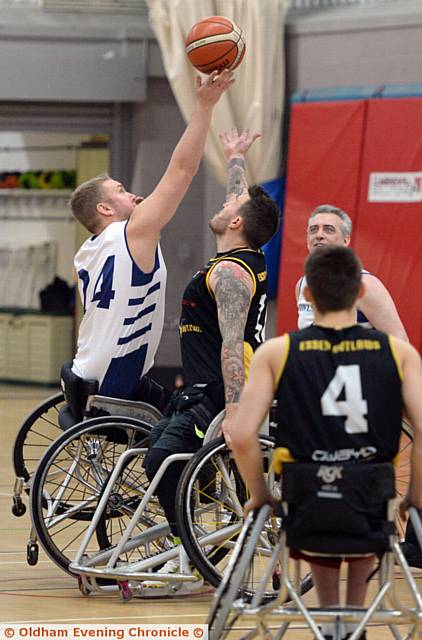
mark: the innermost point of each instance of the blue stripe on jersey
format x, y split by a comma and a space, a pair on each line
135, 301
123, 374
139, 315
140, 278
362, 317
135, 335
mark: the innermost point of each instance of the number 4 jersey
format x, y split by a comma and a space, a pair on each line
339, 396
123, 312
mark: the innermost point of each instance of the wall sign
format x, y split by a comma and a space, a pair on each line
395, 187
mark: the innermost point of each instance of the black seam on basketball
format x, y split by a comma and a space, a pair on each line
228, 33
199, 66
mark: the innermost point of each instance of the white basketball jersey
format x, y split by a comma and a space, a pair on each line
304, 308
306, 313
123, 312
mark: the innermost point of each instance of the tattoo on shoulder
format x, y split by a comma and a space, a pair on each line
233, 294
236, 179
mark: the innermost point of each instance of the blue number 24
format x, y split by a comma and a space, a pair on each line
103, 290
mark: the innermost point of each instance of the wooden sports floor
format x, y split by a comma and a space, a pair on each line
45, 594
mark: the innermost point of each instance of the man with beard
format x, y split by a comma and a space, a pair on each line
222, 323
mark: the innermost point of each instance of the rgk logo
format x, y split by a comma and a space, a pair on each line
329, 473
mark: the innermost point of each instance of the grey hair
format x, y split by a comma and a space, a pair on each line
346, 223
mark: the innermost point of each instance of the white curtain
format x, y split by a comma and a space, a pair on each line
256, 100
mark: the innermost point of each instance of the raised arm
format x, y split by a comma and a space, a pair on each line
153, 213
379, 308
235, 147
233, 288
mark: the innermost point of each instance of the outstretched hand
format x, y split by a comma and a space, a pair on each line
235, 144
209, 92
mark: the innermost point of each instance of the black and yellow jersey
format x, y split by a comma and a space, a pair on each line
200, 337
339, 396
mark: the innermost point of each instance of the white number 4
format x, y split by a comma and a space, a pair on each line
353, 407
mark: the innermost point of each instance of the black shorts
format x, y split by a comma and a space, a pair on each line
325, 561
177, 433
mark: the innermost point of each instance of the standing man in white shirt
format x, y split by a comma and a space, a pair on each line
329, 225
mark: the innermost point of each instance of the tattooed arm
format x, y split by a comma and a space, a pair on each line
235, 147
233, 288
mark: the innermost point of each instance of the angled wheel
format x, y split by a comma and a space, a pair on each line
39, 429
402, 469
221, 617
69, 481
210, 514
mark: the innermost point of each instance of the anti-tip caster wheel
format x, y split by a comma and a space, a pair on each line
125, 591
18, 508
83, 584
32, 553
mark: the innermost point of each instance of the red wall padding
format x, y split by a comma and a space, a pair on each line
333, 147
389, 238
325, 142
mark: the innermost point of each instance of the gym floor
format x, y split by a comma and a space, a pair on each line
46, 594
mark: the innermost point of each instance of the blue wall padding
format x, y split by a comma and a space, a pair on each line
275, 189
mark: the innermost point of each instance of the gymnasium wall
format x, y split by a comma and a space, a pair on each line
334, 148
324, 47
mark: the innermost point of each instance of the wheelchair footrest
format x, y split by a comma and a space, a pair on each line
120, 574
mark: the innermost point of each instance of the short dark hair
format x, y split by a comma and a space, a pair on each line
333, 275
260, 215
84, 200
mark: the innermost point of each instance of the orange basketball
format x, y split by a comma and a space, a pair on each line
215, 43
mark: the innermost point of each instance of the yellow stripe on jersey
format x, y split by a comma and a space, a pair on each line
247, 357
283, 362
281, 454
230, 259
395, 358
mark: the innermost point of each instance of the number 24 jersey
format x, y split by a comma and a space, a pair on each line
123, 312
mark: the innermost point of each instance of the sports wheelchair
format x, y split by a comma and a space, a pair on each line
351, 528
82, 468
209, 515
96, 442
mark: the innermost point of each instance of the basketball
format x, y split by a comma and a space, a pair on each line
215, 43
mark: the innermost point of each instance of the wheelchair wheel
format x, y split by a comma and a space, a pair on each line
221, 618
210, 514
40, 428
402, 469
69, 481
